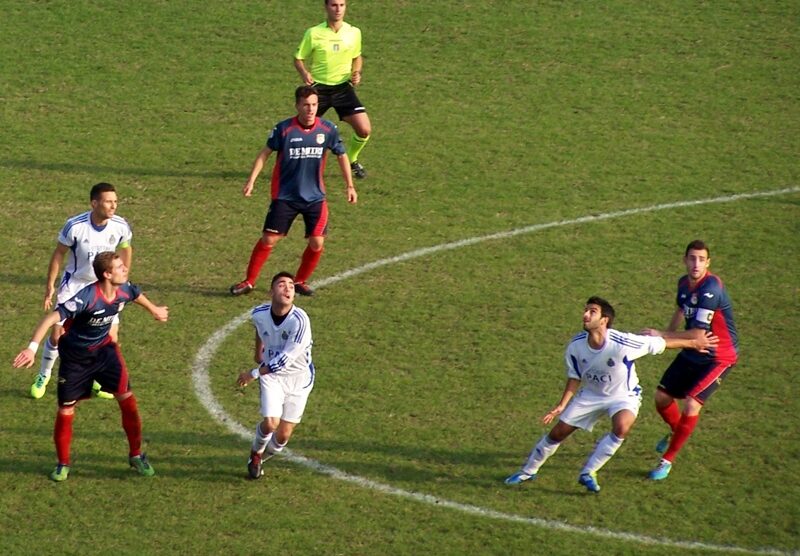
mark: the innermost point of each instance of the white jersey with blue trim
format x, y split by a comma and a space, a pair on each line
610, 371
287, 346
85, 241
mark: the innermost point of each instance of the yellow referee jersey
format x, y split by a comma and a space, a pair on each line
329, 54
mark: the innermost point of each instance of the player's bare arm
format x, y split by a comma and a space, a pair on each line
56, 261
126, 255
569, 391
355, 74
305, 75
26, 357
159, 312
344, 165
258, 165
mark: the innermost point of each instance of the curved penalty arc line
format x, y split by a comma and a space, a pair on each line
204, 393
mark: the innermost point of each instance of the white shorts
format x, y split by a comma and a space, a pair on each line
68, 289
585, 410
285, 396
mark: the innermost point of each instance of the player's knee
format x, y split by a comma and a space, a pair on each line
662, 398
68, 408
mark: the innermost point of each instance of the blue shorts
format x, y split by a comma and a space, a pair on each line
281, 214
79, 367
687, 379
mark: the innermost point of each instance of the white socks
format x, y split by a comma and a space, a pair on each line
49, 356
606, 448
261, 440
543, 450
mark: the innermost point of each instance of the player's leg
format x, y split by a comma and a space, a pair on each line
271, 396
707, 384
62, 438
276, 225
542, 450
352, 111
113, 333
74, 384
49, 357
674, 384
297, 389
315, 218
621, 422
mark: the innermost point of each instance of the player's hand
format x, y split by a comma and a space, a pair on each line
247, 190
355, 78
706, 342
24, 358
161, 313
352, 195
48, 297
245, 378
552, 414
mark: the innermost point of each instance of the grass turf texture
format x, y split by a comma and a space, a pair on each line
487, 117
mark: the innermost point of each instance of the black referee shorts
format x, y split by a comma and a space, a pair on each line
341, 97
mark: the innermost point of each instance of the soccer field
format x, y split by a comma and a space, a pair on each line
524, 157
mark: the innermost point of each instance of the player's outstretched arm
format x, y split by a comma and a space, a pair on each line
344, 165
26, 357
159, 312
258, 165
696, 338
52, 273
569, 391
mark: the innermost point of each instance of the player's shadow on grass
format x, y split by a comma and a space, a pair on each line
71, 167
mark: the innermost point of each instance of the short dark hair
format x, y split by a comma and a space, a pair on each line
606, 310
103, 263
278, 276
304, 91
99, 188
697, 245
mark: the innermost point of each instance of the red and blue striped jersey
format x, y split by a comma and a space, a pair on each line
708, 306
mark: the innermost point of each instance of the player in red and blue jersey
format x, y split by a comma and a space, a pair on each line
302, 143
88, 353
703, 302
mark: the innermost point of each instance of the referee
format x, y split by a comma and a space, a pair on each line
332, 51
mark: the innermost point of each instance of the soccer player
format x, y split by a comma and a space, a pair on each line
332, 51
88, 353
83, 236
703, 304
302, 143
285, 372
600, 368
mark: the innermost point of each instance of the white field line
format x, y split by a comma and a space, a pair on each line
202, 384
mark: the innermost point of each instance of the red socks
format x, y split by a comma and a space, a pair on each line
680, 435
62, 436
132, 424
258, 257
307, 264
671, 415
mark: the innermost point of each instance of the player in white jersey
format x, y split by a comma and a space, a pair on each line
82, 238
285, 371
601, 380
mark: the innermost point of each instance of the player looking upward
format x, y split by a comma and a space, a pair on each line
301, 144
601, 380
329, 58
703, 304
89, 353
82, 237
285, 372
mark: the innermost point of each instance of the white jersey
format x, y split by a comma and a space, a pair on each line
610, 371
287, 346
85, 241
